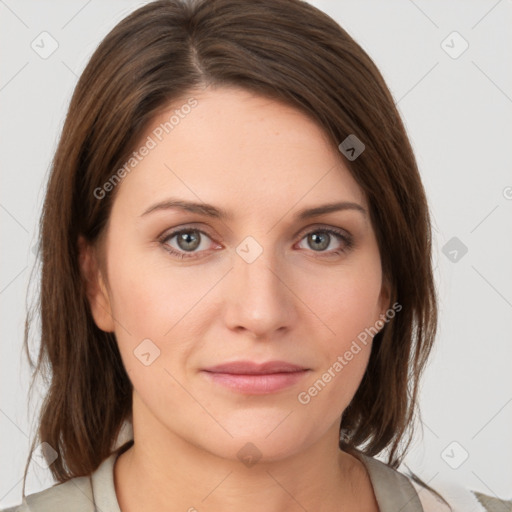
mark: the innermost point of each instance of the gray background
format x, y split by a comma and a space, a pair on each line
457, 110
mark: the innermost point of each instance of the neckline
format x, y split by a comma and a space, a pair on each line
393, 490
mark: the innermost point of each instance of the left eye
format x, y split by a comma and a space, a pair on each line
189, 241
320, 239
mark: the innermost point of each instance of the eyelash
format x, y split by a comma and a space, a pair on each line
341, 235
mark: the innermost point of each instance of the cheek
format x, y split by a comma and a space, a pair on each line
330, 391
149, 312
349, 306
350, 311
347, 301
150, 299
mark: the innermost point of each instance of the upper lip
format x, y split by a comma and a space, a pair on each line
252, 368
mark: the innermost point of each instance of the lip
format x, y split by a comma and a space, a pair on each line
252, 368
256, 378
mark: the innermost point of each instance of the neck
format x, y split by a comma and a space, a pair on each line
163, 471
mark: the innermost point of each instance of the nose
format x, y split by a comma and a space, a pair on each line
258, 298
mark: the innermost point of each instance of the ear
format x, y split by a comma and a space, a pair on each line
95, 288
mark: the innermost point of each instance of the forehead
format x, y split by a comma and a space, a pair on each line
244, 152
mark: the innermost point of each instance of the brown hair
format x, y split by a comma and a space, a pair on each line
283, 49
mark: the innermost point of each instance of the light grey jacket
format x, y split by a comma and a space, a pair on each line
393, 490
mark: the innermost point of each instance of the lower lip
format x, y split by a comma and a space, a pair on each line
257, 384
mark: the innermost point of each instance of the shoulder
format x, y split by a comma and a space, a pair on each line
81, 494
17, 508
393, 487
458, 497
75, 494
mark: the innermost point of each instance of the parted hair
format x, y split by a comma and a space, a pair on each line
286, 50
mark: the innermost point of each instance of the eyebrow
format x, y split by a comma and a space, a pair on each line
216, 212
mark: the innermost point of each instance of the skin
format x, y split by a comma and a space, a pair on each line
263, 161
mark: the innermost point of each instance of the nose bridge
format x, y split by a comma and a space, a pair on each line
260, 302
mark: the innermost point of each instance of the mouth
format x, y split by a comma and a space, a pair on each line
253, 378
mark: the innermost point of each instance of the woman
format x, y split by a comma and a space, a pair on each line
237, 297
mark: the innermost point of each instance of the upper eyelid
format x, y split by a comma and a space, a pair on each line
320, 227
317, 226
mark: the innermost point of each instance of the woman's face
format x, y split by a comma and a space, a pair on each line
252, 277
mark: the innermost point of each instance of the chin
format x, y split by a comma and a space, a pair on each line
256, 442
